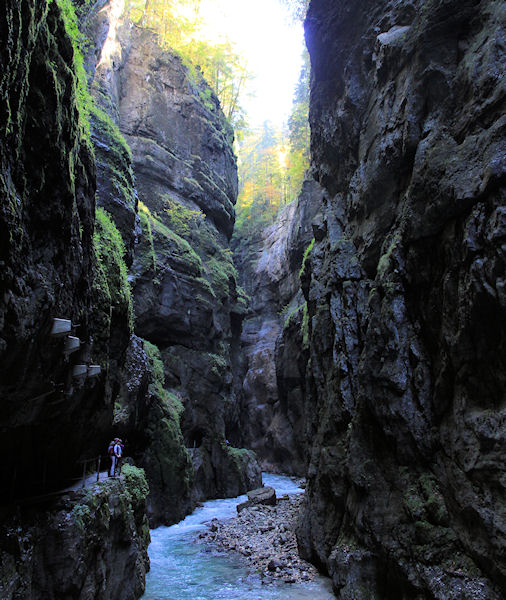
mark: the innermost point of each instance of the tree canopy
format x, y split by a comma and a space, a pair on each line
178, 24
273, 162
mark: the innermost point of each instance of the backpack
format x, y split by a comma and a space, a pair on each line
110, 450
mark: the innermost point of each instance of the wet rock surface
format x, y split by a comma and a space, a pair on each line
404, 291
265, 537
47, 266
271, 389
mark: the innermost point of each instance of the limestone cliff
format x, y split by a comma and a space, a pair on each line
49, 416
271, 363
405, 291
184, 278
177, 145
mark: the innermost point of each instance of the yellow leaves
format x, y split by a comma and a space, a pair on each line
179, 26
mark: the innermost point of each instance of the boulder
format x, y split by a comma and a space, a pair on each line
261, 496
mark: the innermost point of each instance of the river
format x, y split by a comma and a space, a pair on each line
184, 570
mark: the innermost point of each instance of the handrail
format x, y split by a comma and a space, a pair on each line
85, 462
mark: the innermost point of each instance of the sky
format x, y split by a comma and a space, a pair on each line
272, 44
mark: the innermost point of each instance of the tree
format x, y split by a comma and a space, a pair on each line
298, 125
178, 25
297, 8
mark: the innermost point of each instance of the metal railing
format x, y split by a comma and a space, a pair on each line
85, 463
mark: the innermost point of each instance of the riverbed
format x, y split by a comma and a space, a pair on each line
184, 570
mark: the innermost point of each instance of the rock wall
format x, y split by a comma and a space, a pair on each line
405, 291
271, 369
92, 543
184, 279
47, 256
177, 145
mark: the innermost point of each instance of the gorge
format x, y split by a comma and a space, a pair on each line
357, 341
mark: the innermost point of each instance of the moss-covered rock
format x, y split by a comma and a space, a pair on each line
100, 535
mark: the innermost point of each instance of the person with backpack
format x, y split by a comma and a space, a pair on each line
115, 451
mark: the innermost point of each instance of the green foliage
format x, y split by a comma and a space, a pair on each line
242, 302
179, 218
288, 315
81, 514
298, 126
305, 258
217, 365
262, 180
384, 261
178, 25
298, 8
272, 163
112, 273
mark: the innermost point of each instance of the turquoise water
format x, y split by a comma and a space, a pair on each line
183, 570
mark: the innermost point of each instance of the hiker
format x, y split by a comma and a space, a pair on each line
115, 451
110, 453
118, 454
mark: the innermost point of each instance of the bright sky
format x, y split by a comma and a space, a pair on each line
272, 45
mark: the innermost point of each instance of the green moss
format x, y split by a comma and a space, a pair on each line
156, 364
145, 250
305, 258
191, 182
177, 247
136, 484
434, 502
413, 502
83, 98
171, 468
238, 455
112, 273
384, 260
425, 505
222, 273
305, 327
179, 218
108, 129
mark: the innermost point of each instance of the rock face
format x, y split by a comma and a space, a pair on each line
91, 544
178, 146
184, 279
47, 258
271, 370
405, 291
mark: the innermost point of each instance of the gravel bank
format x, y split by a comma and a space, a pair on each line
265, 537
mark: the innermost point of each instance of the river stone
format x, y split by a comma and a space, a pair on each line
265, 496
